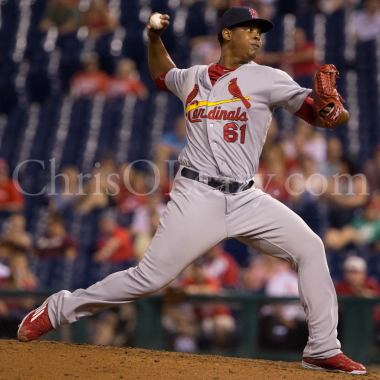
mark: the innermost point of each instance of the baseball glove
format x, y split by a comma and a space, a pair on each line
326, 94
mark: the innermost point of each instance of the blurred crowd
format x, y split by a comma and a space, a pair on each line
97, 56
338, 199
91, 80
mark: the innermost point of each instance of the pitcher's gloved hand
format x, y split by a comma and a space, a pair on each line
328, 105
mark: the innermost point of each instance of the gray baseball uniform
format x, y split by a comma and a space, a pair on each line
227, 124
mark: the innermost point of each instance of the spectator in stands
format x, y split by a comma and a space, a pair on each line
331, 6
10, 198
371, 169
21, 277
142, 216
356, 282
12, 311
363, 230
174, 141
204, 17
107, 163
95, 195
126, 81
180, 322
196, 281
4, 272
366, 22
91, 80
67, 190
283, 326
215, 320
63, 14
347, 193
300, 62
202, 24
144, 238
57, 242
305, 189
272, 173
99, 19
114, 242
334, 154
132, 192
221, 265
116, 327
15, 239
204, 50
262, 269
302, 59
169, 148
305, 141
310, 142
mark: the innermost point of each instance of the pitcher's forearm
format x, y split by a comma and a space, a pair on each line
158, 58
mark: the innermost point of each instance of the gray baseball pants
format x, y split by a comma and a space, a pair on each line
197, 218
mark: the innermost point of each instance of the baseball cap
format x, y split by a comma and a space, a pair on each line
355, 263
238, 15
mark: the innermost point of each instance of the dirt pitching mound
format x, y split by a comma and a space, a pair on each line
52, 360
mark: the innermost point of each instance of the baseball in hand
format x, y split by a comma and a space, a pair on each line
155, 21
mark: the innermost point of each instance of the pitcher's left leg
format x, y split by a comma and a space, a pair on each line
272, 228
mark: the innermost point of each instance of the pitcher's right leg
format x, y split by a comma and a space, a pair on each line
192, 223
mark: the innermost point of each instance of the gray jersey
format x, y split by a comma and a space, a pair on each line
227, 123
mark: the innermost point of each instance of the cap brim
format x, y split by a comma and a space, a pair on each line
263, 24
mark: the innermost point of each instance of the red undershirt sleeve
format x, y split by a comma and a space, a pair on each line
306, 111
160, 83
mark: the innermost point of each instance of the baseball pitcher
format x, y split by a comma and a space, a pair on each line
228, 107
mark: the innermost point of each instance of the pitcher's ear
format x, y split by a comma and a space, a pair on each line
226, 34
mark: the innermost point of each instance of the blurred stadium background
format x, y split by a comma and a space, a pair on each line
76, 97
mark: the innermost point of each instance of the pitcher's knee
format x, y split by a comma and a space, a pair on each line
308, 247
154, 286
147, 282
313, 249
317, 243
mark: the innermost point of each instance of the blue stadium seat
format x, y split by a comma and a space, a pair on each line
78, 129
305, 20
335, 46
55, 273
38, 84
35, 37
9, 23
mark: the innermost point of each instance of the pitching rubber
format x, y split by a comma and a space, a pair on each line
316, 368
